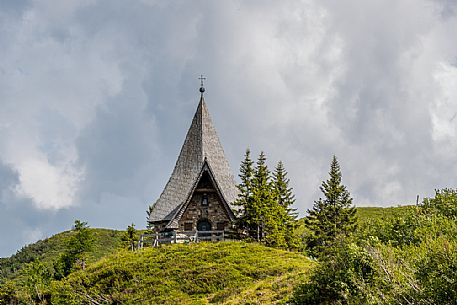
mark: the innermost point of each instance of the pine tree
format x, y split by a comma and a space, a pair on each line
283, 192
130, 236
262, 197
81, 242
264, 202
332, 216
245, 187
285, 199
244, 200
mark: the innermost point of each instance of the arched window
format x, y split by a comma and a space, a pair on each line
203, 225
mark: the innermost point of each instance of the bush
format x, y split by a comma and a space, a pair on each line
437, 271
346, 275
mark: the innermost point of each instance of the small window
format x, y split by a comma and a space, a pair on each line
188, 226
220, 226
205, 199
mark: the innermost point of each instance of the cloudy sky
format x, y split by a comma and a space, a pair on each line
96, 98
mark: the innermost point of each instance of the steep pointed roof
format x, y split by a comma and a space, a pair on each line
201, 143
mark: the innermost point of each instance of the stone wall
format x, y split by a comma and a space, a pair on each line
214, 212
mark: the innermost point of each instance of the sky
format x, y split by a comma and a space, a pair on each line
96, 97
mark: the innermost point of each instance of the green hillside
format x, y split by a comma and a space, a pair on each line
203, 273
105, 242
108, 241
365, 214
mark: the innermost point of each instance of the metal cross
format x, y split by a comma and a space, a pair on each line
201, 78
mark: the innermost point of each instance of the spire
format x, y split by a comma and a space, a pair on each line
201, 144
202, 88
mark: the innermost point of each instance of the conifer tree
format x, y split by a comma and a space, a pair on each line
262, 197
283, 192
73, 257
264, 202
332, 216
130, 236
244, 199
285, 199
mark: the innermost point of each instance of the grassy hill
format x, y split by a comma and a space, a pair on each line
365, 214
106, 242
109, 241
222, 273
204, 273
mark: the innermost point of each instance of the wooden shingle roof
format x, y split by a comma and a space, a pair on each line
201, 143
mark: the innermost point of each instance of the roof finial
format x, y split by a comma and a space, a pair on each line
202, 89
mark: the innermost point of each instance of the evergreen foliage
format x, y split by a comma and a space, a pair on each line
285, 198
245, 195
265, 199
74, 256
406, 256
283, 192
332, 216
131, 236
263, 209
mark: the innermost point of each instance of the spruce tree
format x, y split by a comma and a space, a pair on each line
283, 192
262, 197
130, 236
80, 242
245, 187
285, 199
244, 201
264, 202
332, 216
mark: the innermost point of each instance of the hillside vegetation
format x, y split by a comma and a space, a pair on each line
204, 273
398, 246
408, 256
109, 241
105, 242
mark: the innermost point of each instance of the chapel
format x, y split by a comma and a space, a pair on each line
201, 190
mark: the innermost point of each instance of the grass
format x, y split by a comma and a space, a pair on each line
367, 215
47, 250
382, 213
204, 273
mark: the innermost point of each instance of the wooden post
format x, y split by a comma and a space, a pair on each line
156, 240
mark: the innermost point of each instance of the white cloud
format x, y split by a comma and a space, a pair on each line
49, 186
444, 108
53, 79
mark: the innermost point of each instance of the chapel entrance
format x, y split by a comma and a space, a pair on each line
203, 225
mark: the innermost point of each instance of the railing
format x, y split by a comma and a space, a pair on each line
179, 237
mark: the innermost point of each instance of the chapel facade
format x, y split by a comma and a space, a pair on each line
201, 190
